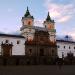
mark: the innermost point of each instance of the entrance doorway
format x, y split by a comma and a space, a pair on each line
41, 52
6, 49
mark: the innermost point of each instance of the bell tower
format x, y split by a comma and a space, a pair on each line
27, 19
27, 29
49, 24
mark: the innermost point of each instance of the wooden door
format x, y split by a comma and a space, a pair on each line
6, 50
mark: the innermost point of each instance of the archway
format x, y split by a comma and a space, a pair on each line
41, 52
6, 49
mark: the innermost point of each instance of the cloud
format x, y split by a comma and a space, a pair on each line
60, 12
64, 19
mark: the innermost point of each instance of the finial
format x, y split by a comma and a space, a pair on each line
27, 8
48, 13
27, 12
48, 17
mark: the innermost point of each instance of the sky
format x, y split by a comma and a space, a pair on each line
61, 11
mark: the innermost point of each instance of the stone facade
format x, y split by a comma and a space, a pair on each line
41, 45
40, 41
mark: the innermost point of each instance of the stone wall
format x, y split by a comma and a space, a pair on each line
25, 60
36, 60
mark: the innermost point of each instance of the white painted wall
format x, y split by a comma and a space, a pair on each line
66, 49
17, 49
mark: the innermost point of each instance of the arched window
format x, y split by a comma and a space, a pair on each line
29, 23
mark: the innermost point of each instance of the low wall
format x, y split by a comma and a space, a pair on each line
31, 60
24, 60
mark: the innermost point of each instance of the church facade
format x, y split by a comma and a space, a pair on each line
40, 41
35, 41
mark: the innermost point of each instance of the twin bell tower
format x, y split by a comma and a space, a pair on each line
28, 28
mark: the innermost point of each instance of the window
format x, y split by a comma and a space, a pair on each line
69, 47
29, 23
74, 47
6, 41
58, 46
64, 47
18, 42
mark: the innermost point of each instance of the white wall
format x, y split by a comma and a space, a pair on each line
17, 49
66, 49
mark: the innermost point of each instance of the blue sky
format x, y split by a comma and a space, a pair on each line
62, 11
